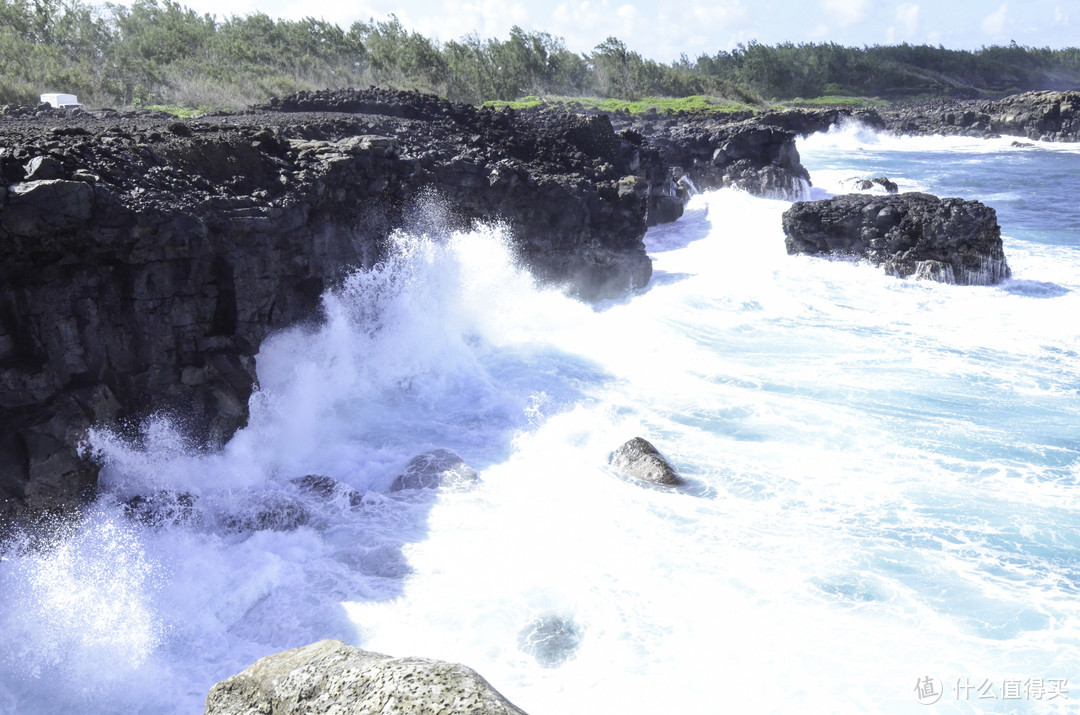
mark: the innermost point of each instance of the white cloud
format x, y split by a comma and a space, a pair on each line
907, 23
714, 16
845, 12
487, 18
994, 23
907, 16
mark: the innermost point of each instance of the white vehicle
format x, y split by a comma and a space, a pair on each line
68, 101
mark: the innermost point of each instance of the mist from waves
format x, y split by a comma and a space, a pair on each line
883, 484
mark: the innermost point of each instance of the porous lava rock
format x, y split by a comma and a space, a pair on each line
639, 459
333, 677
918, 235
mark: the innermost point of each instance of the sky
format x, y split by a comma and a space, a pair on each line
664, 30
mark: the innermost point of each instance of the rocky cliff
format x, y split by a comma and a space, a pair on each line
755, 155
143, 259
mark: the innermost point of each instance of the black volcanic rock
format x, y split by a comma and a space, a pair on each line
914, 234
713, 152
1049, 116
144, 274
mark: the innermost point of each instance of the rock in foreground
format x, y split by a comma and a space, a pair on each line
946, 240
638, 458
333, 677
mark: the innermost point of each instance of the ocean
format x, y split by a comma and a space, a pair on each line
882, 512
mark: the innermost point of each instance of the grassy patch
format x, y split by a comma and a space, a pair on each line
180, 112
696, 103
836, 101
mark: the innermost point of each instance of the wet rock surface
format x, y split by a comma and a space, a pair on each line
333, 677
433, 469
910, 235
552, 640
714, 152
639, 459
143, 258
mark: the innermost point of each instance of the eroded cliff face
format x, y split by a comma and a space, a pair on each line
754, 155
142, 259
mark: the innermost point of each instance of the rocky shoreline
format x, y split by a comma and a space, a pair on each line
144, 258
1045, 116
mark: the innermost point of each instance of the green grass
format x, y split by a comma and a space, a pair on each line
176, 111
697, 103
836, 101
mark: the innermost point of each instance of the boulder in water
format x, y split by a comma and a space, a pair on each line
326, 488
166, 508
266, 511
550, 639
436, 468
948, 240
638, 458
333, 677
882, 181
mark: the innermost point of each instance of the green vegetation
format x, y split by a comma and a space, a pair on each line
836, 101
180, 112
158, 53
694, 103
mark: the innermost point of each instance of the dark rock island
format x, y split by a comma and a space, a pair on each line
919, 235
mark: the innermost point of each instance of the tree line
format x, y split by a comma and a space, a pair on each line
159, 52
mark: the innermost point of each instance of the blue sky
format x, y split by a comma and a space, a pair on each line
663, 31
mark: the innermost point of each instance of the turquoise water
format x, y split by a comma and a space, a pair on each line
883, 479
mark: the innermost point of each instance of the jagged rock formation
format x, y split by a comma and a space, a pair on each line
332, 677
1049, 116
714, 153
143, 259
914, 234
639, 459
805, 122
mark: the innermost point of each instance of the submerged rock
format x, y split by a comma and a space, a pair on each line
638, 458
333, 677
166, 508
947, 240
436, 468
550, 639
326, 488
266, 512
